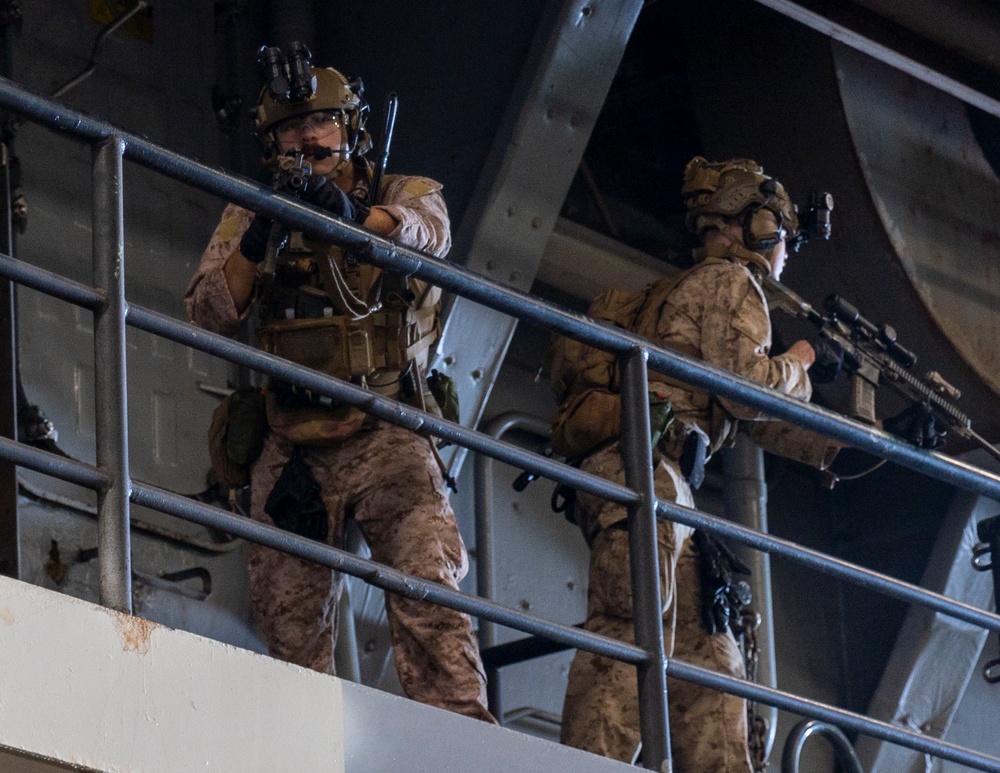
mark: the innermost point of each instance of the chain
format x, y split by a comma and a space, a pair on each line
757, 729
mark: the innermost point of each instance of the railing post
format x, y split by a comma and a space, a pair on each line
647, 609
111, 403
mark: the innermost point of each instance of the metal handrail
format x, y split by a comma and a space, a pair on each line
114, 532
636, 355
636, 449
242, 354
801, 733
386, 254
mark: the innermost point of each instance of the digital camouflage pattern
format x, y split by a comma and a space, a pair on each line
415, 203
719, 314
601, 710
382, 476
387, 480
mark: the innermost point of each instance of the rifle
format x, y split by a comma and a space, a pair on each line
292, 177
391, 105
873, 356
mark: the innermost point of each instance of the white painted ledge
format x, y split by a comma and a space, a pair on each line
86, 686
83, 686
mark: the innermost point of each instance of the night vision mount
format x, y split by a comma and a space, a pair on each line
814, 223
289, 79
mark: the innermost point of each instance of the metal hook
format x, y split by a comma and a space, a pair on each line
982, 557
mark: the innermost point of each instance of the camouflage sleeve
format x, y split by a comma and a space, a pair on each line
417, 205
207, 299
793, 442
736, 335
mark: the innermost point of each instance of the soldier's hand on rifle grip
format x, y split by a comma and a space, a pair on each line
253, 245
829, 361
327, 195
804, 351
917, 425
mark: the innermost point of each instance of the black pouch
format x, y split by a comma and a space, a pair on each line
295, 503
693, 458
247, 426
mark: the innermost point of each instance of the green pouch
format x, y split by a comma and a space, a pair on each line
445, 393
661, 416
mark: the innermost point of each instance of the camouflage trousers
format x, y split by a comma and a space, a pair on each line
387, 480
708, 729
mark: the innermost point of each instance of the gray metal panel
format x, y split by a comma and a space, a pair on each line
166, 228
539, 559
10, 558
162, 91
937, 196
580, 262
9, 537
224, 615
975, 719
934, 672
973, 28
574, 64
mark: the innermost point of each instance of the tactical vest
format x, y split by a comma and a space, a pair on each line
346, 319
586, 380
587, 383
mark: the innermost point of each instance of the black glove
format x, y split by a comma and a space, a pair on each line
253, 245
295, 503
325, 194
916, 425
829, 361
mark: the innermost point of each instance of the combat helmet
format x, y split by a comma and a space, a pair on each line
296, 88
717, 192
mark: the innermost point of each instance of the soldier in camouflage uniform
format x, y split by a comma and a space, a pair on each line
716, 312
385, 478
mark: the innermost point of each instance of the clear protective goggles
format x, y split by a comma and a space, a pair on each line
322, 124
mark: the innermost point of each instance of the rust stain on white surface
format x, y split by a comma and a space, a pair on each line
135, 632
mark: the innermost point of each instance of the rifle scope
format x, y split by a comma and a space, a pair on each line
884, 334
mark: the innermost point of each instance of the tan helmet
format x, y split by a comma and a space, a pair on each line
738, 188
334, 93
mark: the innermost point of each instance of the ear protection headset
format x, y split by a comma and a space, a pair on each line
739, 189
763, 227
